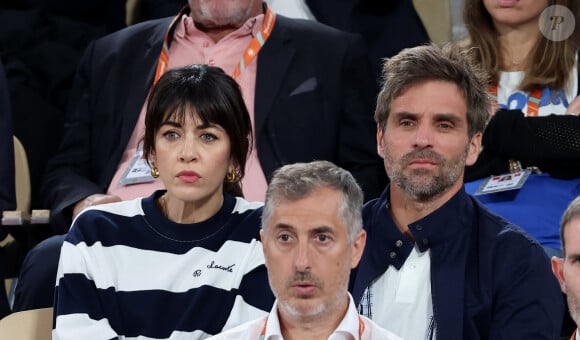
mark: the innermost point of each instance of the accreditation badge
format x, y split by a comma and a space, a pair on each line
138, 171
505, 182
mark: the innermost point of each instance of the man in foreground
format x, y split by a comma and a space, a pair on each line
312, 237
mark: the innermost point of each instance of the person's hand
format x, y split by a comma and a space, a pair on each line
91, 200
574, 107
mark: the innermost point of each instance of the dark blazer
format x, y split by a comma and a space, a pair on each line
387, 26
7, 187
40, 52
314, 100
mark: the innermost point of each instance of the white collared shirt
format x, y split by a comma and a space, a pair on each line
401, 299
347, 329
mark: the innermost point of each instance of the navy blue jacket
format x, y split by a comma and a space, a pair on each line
489, 279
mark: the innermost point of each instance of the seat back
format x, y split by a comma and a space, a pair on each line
436, 17
22, 177
33, 324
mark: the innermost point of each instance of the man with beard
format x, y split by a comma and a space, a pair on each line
312, 237
567, 270
439, 265
308, 88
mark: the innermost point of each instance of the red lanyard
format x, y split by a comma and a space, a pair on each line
249, 54
361, 329
533, 101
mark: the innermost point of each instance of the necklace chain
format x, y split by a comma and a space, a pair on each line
163, 208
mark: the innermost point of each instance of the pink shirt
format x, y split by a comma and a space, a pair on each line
192, 46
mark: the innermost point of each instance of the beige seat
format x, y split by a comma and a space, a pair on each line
22, 214
33, 324
23, 197
22, 177
436, 16
131, 8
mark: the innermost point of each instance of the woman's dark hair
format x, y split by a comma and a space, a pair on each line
211, 95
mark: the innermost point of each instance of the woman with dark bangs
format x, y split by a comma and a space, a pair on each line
185, 262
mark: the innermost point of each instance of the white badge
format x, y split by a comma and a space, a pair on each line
505, 182
138, 171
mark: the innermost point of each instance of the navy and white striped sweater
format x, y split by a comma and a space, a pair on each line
126, 271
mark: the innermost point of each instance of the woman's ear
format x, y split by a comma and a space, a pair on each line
232, 165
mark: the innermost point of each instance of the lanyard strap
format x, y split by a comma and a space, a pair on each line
533, 101
256, 44
163, 61
248, 56
361, 329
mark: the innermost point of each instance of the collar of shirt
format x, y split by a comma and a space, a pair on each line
347, 329
186, 29
441, 226
273, 331
349, 326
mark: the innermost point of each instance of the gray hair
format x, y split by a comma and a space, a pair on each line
296, 181
448, 63
572, 212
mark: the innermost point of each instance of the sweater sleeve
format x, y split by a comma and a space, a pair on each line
552, 143
78, 311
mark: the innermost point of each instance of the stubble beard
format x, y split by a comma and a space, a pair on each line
421, 183
295, 311
574, 307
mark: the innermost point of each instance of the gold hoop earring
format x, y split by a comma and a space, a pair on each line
233, 176
154, 172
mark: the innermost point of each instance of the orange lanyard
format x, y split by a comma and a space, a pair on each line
361, 329
248, 56
533, 101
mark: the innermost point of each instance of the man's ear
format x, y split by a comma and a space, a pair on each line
380, 142
358, 246
262, 235
474, 149
558, 270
